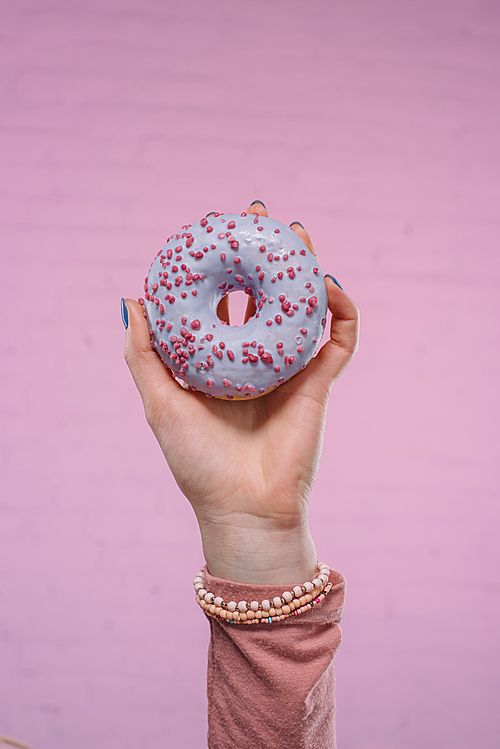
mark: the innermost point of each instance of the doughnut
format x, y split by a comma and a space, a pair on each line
207, 260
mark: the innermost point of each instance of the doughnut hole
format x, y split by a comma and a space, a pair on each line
237, 307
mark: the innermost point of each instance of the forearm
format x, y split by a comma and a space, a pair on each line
272, 685
259, 551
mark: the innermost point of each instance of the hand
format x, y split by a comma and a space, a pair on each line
247, 467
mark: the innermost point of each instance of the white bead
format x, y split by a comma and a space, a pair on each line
277, 602
232, 605
242, 606
316, 582
198, 587
209, 597
308, 586
202, 592
266, 605
323, 578
254, 605
287, 596
197, 580
297, 591
218, 601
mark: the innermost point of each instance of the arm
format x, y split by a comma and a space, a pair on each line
248, 467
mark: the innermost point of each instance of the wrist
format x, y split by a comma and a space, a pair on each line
259, 551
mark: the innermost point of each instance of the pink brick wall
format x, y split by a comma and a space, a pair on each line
375, 124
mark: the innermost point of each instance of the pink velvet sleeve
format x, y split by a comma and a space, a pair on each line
272, 685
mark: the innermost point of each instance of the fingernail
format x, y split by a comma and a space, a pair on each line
258, 201
124, 314
334, 280
212, 213
296, 222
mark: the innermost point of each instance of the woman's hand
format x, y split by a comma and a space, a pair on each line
247, 467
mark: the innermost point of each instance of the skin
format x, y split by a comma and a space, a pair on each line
248, 467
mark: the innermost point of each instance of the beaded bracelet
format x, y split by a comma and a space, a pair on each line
298, 600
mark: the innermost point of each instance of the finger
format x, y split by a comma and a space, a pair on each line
334, 356
223, 309
150, 375
256, 207
299, 229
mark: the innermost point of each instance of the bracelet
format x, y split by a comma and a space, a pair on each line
298, 600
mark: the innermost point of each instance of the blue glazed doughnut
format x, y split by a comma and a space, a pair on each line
204, 262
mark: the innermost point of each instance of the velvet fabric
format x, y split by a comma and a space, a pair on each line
272, 685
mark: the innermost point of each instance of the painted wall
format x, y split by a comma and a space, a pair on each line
375, 124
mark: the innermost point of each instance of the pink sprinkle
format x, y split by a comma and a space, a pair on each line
204, 222
260, 228
276, 368
245, 359
237, 260
235, 245
239, 388
309, 310
313, 301
221, 236
184, 321
300, 349
316, 271
253, 344
231, 225
189, 242
199, 255
262, 248
223, 256
169, 254
169, 326
276, 231
183, 294
209, 336
278, 319
210, 228
269, 322
303, 331
195, 324
253, 358
227, 383
210, 383
270, 256
267, 358
230, 354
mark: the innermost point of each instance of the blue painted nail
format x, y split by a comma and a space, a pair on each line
258, 201
296, 222
334, 280
124, 314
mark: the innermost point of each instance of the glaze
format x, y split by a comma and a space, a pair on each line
204, 262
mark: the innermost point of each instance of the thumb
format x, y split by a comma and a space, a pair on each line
153, 379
